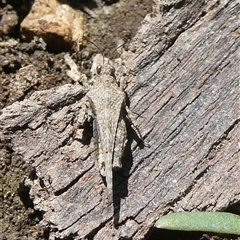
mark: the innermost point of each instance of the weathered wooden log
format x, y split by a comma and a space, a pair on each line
186, 93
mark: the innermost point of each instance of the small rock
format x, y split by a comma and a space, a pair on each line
59, 25
26, 78
8, 22
10, 43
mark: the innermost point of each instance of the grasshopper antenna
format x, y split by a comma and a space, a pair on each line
99, 67
97, 48
112, 51
116, 48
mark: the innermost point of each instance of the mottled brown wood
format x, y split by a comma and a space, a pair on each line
186, 94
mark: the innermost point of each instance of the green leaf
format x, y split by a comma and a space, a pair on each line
218, 222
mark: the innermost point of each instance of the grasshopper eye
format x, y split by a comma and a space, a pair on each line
99, 69
112, 71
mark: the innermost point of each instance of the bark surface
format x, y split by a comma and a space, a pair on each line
185, 92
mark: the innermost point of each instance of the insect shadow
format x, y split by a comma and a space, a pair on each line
121, 177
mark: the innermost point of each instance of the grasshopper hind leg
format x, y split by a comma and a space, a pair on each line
120, 143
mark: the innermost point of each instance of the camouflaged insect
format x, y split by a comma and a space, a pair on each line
107, 102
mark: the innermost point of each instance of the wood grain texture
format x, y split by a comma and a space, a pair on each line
186, 93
